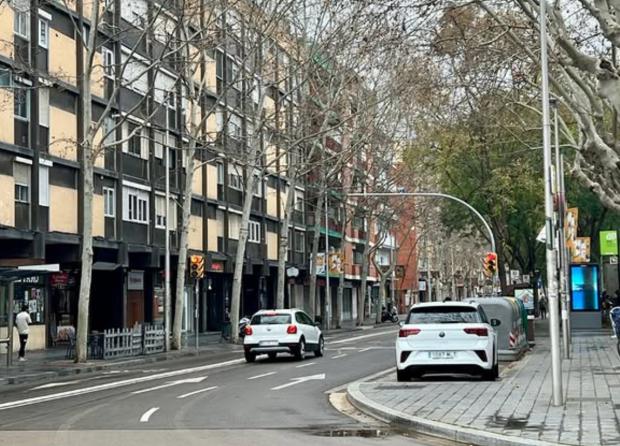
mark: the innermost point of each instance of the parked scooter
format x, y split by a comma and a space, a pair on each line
242, 323
389, 315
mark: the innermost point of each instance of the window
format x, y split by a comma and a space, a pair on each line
108, 62
254, 232
220, 173
160, 212
21, 105
44, 186
257, 190
108, 132
109, 202
160, 139
235, 181
300, 241
135, 145
44, 107
136, 205
21, 23
444, 315
21, 175
236, 77
299, 201
44, 33
234, 127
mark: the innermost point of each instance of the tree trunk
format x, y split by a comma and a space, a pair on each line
182, 261
316, 235
381, 300
361, 297
284, 244
235, 299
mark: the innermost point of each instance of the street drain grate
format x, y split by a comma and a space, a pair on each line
363, 433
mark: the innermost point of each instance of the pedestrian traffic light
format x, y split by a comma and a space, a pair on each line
490, 263
196, 267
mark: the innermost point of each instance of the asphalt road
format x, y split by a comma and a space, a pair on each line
217, 399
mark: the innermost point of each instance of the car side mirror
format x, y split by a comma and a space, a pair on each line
495, 322
401, 323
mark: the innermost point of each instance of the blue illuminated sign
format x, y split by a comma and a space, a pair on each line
584, 288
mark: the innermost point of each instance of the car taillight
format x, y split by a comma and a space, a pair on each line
248, 330
291, 329
477, 331
404, 332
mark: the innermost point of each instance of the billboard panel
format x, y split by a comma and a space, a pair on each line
584, 288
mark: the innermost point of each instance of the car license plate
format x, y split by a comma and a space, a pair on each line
268, 343
442, 355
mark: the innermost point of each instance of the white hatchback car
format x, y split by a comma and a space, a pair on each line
450, 337
282, 331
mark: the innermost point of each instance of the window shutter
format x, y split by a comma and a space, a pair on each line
125, 142
44, 186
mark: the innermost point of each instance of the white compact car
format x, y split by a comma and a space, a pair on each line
282, 331
450, 337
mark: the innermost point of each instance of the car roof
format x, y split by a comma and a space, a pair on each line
448, 303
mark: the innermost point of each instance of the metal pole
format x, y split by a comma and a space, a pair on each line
567, 258
167, 256
9, 347
326, 262
552, 289
452, 272
196, 313
434, 195
429, 272
559, 243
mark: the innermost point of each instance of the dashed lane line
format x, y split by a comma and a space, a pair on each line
196, 392
339, 356
305, 365
147, 415
262, 375
357, 338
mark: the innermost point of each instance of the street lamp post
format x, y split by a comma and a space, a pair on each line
552, 288
167, 256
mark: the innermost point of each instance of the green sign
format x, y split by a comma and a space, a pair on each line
609, 243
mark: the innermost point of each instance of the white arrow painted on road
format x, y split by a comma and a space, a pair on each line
303, 379
172, 383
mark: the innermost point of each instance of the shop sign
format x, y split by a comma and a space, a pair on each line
609, 243
421, 285
59, 280
217, 267
135, 281
32, 280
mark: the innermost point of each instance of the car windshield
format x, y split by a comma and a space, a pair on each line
271, 319
443, 315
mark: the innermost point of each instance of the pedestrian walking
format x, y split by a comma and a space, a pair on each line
543, 308
22, 321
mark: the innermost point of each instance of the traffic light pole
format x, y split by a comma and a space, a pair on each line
196, 311
432, 195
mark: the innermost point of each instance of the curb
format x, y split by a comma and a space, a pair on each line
86, 369
435, 428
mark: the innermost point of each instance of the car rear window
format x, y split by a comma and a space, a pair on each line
443, 314
271, 319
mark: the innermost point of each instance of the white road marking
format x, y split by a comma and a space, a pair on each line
363, 379
357, 338
113, 385
52, 385
195, 392
365, 349
339, 356
305, 365
171, 383
295, 381
146, 415
262, 376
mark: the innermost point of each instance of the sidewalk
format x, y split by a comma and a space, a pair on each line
515, 410
51, 363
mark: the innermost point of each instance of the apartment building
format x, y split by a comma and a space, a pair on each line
42, 58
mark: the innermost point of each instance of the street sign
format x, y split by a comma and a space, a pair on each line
609, 243
526, 278
613, 260
421, 285
292, 272
515, 275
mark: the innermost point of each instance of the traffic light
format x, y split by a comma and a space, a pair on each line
196, 267
490, 263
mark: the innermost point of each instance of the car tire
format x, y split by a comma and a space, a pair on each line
272, 355
300, 351
493, 374
320, 348
417, 375
250, 357
402, 375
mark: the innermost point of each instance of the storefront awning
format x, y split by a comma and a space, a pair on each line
105, 266
218, 256
10, 275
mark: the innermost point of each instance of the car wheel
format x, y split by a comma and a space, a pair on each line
493, 374
250, 357
300, 351
320, 349
402, 375
272, 356
417, 375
